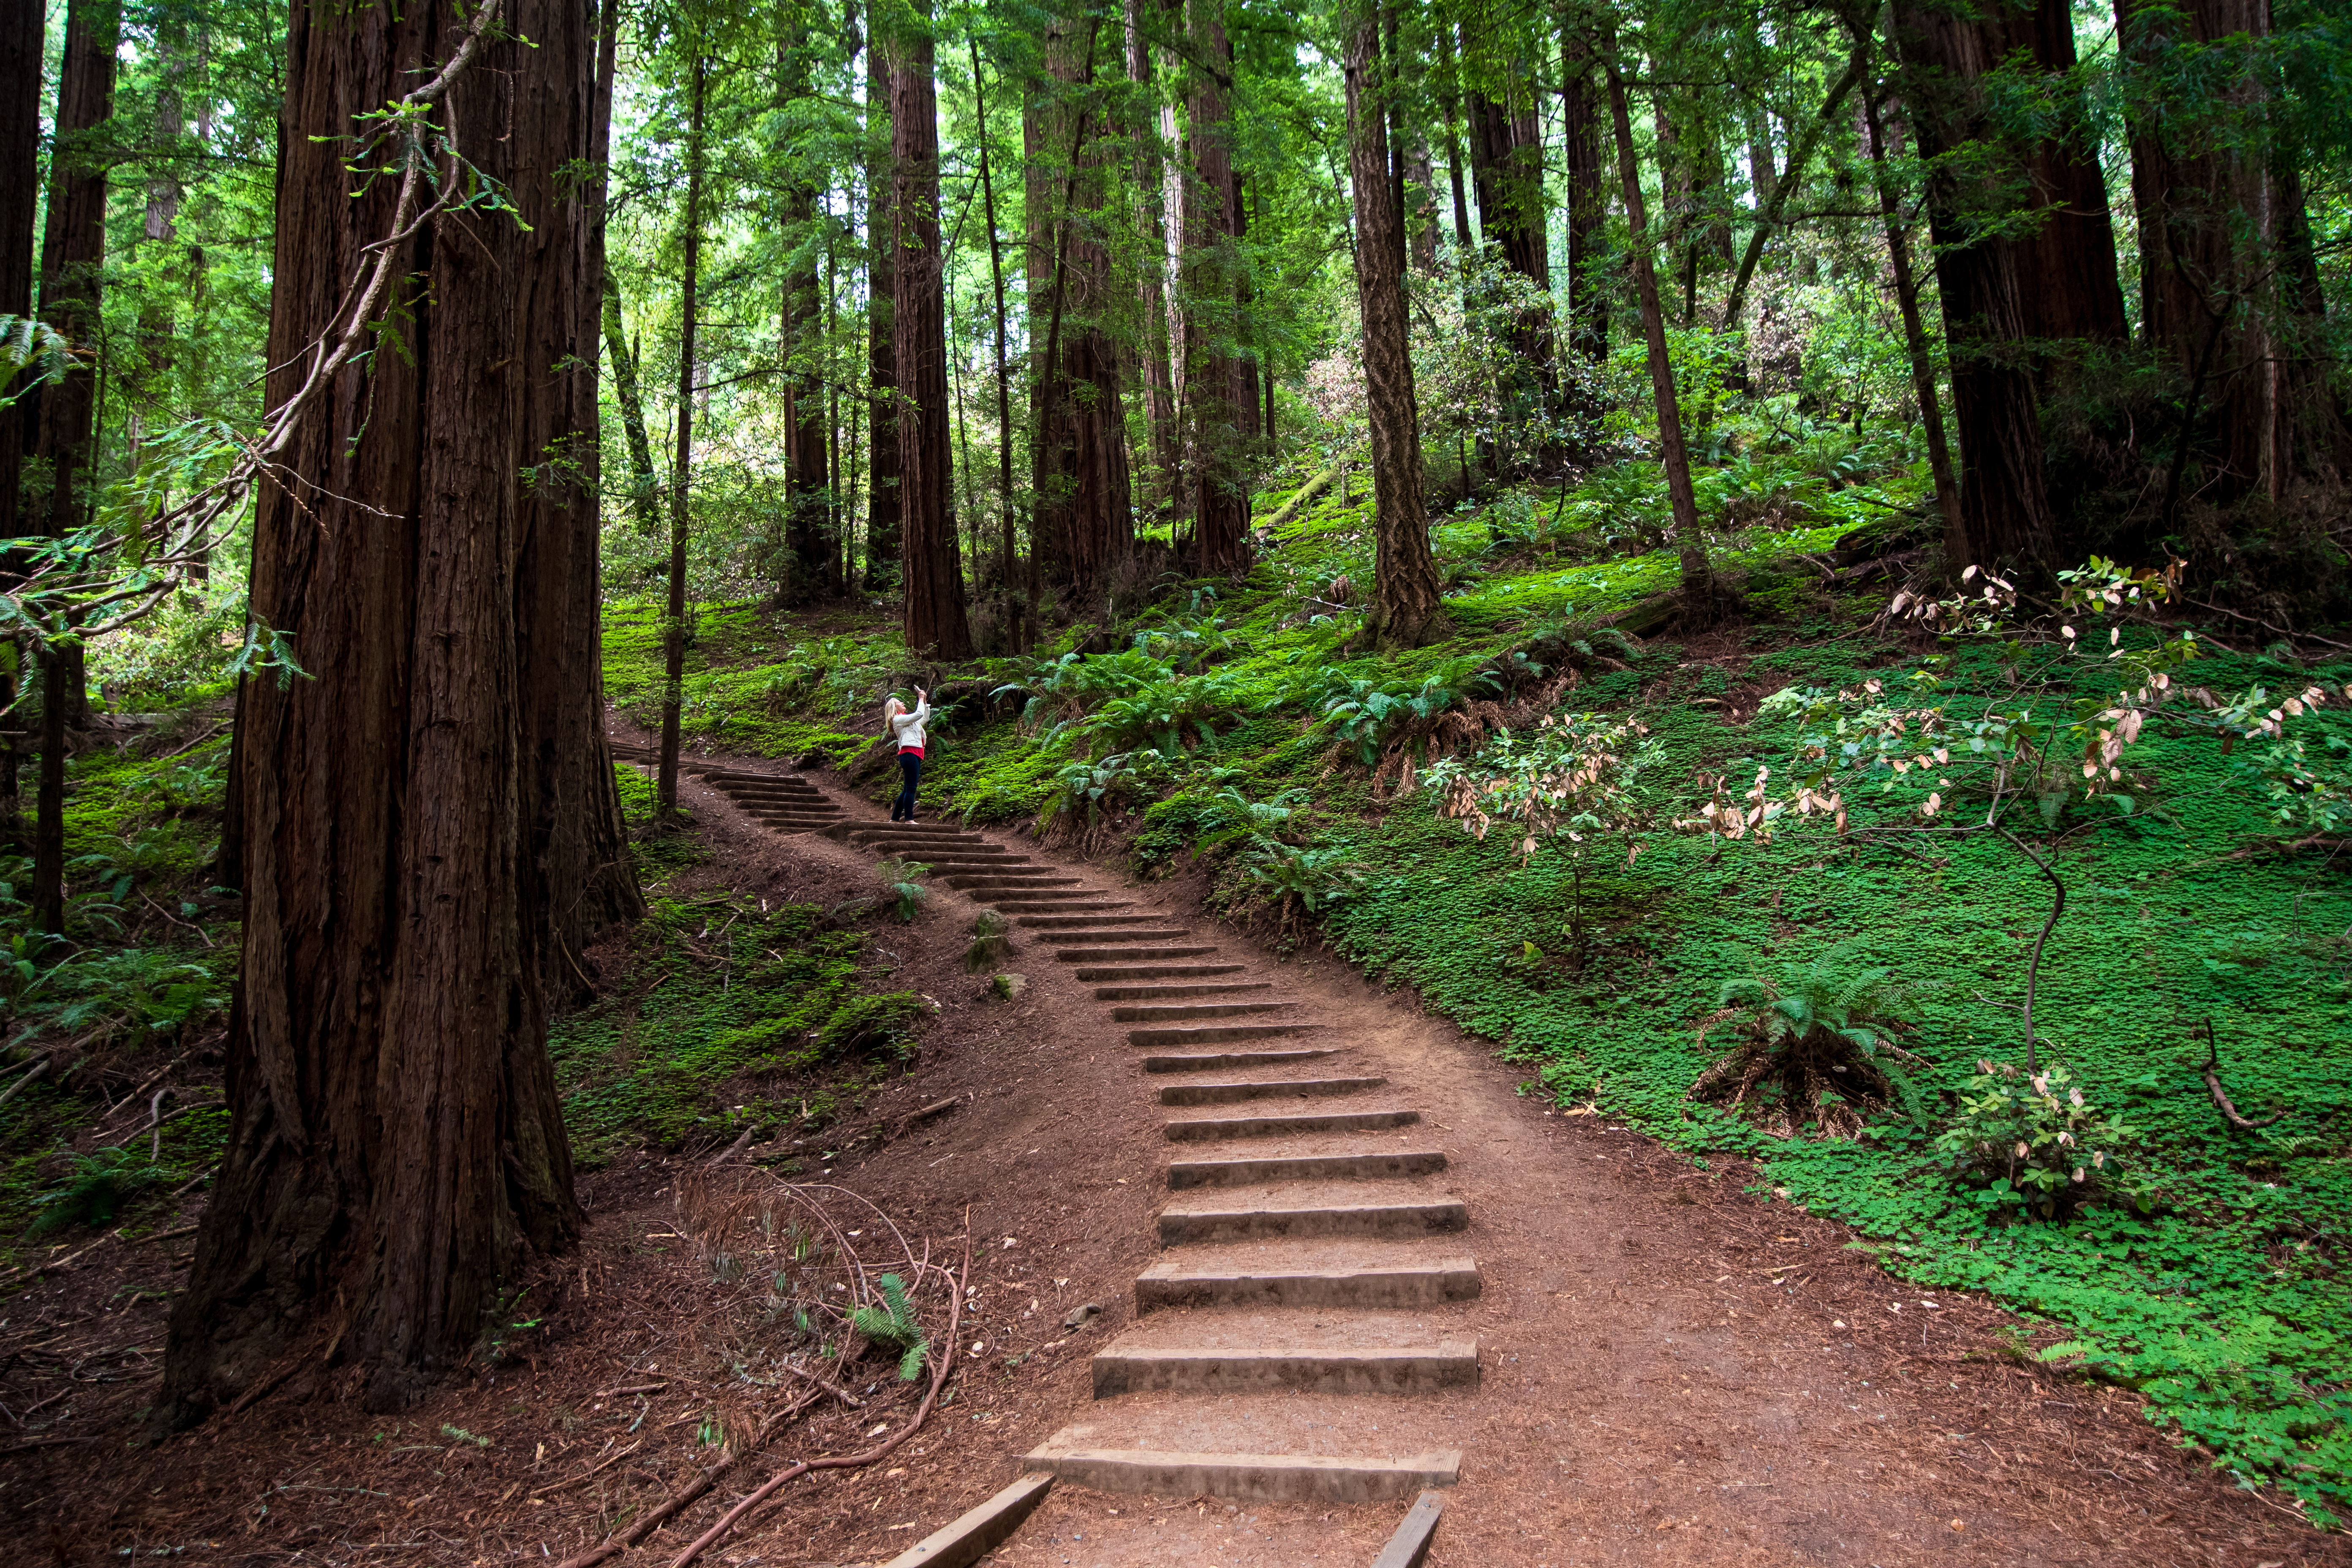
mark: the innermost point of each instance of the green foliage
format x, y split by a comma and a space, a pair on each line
904, 880
96, 1186
893, 1324
2034, 1145
1817, 1053
871, 1025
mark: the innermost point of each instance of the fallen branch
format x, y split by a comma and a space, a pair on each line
36, 1069
586, 1475
2211, 1072
852, 1461
614, 1545
828, 1385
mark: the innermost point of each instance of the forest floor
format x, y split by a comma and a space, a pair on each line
1673, 1370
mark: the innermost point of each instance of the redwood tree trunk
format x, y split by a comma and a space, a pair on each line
884, 504
681, 476
1506, 160
1699, 578
21, 48
397, 1144
808, 509
1587, 203
933, 570
1408, 601
1212, 375
1152, 271
73, 258
645, 483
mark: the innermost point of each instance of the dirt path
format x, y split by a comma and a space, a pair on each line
1667, 1370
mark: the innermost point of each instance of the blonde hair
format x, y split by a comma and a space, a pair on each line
891, 706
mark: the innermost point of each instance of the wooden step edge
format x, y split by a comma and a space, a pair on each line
1409, 1547
1368, 1165
1346, 1370
1439, 1282
982, 1530
1248, 1478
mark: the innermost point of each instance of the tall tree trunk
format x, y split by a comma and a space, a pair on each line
1699, 578
1914, 337
21, 48
1450, 109
1214, 389
1016, 637
396, 1147
1506, 158
1421, 199
2018, 299
681, 476
2219, 273
73, 258
1408, 601
934, 621
1587, 203
799, 330
885, 506
645, 484
1152, 271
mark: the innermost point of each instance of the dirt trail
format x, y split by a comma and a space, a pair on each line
1671, 1371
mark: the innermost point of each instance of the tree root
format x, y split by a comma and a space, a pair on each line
2212, 1073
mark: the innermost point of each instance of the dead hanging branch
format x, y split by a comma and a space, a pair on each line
2211, 1072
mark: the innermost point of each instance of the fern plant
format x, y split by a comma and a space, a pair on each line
894, 1324
903, 878
1817, 1051
96, 1186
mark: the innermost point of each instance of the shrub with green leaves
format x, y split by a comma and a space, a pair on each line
870, 1025
904, 879
893, 1324
1816, 1053
2032, 1145
96, 1186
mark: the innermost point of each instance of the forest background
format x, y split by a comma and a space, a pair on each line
1237, 411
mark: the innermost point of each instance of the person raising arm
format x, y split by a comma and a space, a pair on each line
906, 728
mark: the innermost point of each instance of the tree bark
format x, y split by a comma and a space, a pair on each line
73, 260
645, 483
1213, 386
1151, 188
884, 504
934, 619
2220, 271
1506, 159
21, 48
681, 475
397, 1147
808, 502
1008, 565
1450, 109
2019, 301
1587, 203
1914, 338
1408, 607
1699, 578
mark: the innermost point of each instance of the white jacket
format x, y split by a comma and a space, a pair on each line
909, 727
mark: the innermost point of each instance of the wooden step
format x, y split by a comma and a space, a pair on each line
1209, 1129
1336, 1369
1178, 1013
1366, 1165
1252, 1478
1168, 972
1152, 993
1232, 1061
991, 879
1435, 1283
1219, 1033
1097, 924
1249, 1222
1273, 1089
1136, 955
1168, 935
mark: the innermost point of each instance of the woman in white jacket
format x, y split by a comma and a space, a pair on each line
908, 728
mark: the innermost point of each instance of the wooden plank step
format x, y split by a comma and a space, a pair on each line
1399, 1285
1252, 1478
1409, 1547
974, 1535
1168, 972
1102, 924
1149, 993
1272, 1089
1219, 1033
1230, 1061
1371, 1164
1209, 1129
1168, 935
1336, 1369
1247, 1222
1181, 1012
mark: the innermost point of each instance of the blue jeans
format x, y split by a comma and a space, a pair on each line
910, 773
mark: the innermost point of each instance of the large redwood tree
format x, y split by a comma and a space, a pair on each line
428, 817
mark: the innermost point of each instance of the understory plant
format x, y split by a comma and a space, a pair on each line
1816, 1050
904, 879
2029, 1143
893, 1324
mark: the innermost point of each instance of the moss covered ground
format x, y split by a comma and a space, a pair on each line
1224, 728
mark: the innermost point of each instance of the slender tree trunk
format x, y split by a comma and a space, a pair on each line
1587, 203
884, 504
396, 1149
1506, 158
1450, 109
1220, 483
935, 624
1699, 578
682, 464
807, 537
1151, 186
73, 258
1915, 338
1017, 638
21, 50
1408, 601
645, 484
